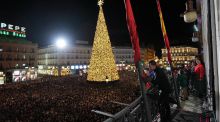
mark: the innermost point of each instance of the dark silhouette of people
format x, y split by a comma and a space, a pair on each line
161, 80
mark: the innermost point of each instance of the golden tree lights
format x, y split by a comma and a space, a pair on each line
102, 65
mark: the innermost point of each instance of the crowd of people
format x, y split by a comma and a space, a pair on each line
165, 88
191, 79
68, 98
72, 98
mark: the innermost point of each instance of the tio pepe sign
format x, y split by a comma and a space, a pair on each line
10, 27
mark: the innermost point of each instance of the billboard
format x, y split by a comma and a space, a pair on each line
12, 30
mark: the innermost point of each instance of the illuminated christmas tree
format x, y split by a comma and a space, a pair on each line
102, 65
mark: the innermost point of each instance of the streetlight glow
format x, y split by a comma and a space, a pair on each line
61, 42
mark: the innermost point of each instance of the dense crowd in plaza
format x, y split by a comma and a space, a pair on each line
66, 98
72, 98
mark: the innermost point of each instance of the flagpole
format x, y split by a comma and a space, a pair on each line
167, 44
146, 105
137, 59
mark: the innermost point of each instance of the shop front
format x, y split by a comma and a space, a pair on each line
24, 74
54, 70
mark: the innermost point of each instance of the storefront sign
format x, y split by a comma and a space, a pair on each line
12, 30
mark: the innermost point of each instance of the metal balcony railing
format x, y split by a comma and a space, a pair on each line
133, 112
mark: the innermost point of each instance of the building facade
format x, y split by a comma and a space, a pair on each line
148, 54
77, 57
180, 55
18, 60
17, 53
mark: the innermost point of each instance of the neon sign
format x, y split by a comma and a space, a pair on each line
12, 30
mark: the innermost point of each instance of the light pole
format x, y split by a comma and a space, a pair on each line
60, 44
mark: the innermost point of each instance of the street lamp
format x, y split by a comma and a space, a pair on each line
60, 44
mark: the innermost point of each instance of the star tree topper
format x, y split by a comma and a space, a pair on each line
100, 2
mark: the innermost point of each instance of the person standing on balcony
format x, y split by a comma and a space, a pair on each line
182, 79
192, 76
200, 77
161, 80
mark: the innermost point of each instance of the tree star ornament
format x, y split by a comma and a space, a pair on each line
100, 2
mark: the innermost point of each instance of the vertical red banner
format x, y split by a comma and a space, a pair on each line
133, 31
163, 28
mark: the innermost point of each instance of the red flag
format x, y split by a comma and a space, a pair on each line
163, 28
133, 31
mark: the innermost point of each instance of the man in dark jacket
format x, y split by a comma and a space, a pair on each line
161, 80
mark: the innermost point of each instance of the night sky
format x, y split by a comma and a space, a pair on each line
76, 19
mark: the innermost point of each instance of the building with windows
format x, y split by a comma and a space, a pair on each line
15, 50
148, 54
17, 53
77, 57
180, 55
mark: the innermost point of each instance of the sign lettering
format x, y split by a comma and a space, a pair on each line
12, 30
12, 27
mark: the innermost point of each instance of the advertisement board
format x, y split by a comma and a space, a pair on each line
12, 30
24, 74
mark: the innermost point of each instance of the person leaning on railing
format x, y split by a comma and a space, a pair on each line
151, 90
160, 79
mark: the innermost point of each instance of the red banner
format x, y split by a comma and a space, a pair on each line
133, 31
166, 40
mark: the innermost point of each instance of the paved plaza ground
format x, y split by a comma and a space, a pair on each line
190, 111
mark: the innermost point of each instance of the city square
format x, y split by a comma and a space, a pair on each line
111, 61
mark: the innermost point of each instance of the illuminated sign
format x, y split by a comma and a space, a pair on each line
12, 30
